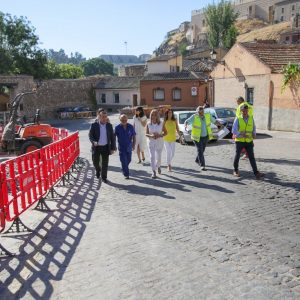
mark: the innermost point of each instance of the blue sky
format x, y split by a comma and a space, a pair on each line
94, 27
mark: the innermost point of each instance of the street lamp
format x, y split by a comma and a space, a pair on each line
213, 54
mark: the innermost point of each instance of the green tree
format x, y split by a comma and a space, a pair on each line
220, 20
63, 71
19, 51
291, 75
96, 66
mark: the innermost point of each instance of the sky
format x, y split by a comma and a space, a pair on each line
93, 28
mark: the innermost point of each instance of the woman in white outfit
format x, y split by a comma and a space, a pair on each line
139, 123
155, 131
171, 126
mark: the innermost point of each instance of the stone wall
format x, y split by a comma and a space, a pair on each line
52, 94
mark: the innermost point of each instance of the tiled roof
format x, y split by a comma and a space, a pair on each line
274, 55
198, 65
115, 82
183, 75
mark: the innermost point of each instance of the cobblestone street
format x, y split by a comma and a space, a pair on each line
188, 234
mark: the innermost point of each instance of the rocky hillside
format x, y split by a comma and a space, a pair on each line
176, 43
269, 32
248, 30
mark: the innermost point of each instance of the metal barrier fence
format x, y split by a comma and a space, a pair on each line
28, 178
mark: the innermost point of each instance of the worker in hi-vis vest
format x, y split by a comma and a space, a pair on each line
238, 113
244, 131
241, 101
201, 132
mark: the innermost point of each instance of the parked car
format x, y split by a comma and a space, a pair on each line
82, 112
65, 112
185, 135
224, 115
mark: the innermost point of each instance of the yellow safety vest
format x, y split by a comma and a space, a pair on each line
239, 113
196, 127
245, 128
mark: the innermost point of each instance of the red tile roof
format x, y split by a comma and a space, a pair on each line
276, 56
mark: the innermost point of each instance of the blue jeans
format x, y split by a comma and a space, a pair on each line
201, 145
125, 158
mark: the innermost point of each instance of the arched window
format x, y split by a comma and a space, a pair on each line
176, 94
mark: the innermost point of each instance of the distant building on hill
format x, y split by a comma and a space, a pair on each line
270, 11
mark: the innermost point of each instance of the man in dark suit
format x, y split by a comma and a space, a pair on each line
103, 141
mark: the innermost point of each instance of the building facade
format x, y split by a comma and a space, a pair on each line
113, 93
254, 71
286, 10
180, 90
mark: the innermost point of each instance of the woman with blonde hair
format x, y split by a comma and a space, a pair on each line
172, 127
155, 131
139, 123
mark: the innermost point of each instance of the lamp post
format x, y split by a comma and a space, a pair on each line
213, 54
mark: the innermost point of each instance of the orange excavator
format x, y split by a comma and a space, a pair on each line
20, 139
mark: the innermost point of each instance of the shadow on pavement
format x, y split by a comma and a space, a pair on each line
46, 253
162, 183
272, 178
263, 136
281, 161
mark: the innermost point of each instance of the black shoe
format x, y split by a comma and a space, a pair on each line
126, 177
98, 174
104, 180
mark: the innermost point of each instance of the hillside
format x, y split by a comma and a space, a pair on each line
248, 30
270, 32
173, 44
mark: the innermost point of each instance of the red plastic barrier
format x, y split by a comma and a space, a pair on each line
22, 183
28, 178
59, 133
2, 213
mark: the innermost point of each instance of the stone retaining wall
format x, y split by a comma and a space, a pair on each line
52, 94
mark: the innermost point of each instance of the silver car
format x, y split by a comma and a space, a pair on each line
185, 135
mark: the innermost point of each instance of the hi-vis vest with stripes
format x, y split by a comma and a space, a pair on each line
196, 127
239, 112
245, 128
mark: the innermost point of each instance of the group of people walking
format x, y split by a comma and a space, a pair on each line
154, 134
157, 134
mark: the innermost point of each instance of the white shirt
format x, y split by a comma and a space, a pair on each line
103, 135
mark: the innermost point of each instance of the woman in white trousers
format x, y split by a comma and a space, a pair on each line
155, 131
171, 126
139, 123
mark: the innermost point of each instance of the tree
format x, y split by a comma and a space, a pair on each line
291, 75
96, 66
19, 52
61, 57
63, 71
220, 20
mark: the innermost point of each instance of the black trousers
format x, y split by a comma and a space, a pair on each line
249, 149
201, 145
100, 158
